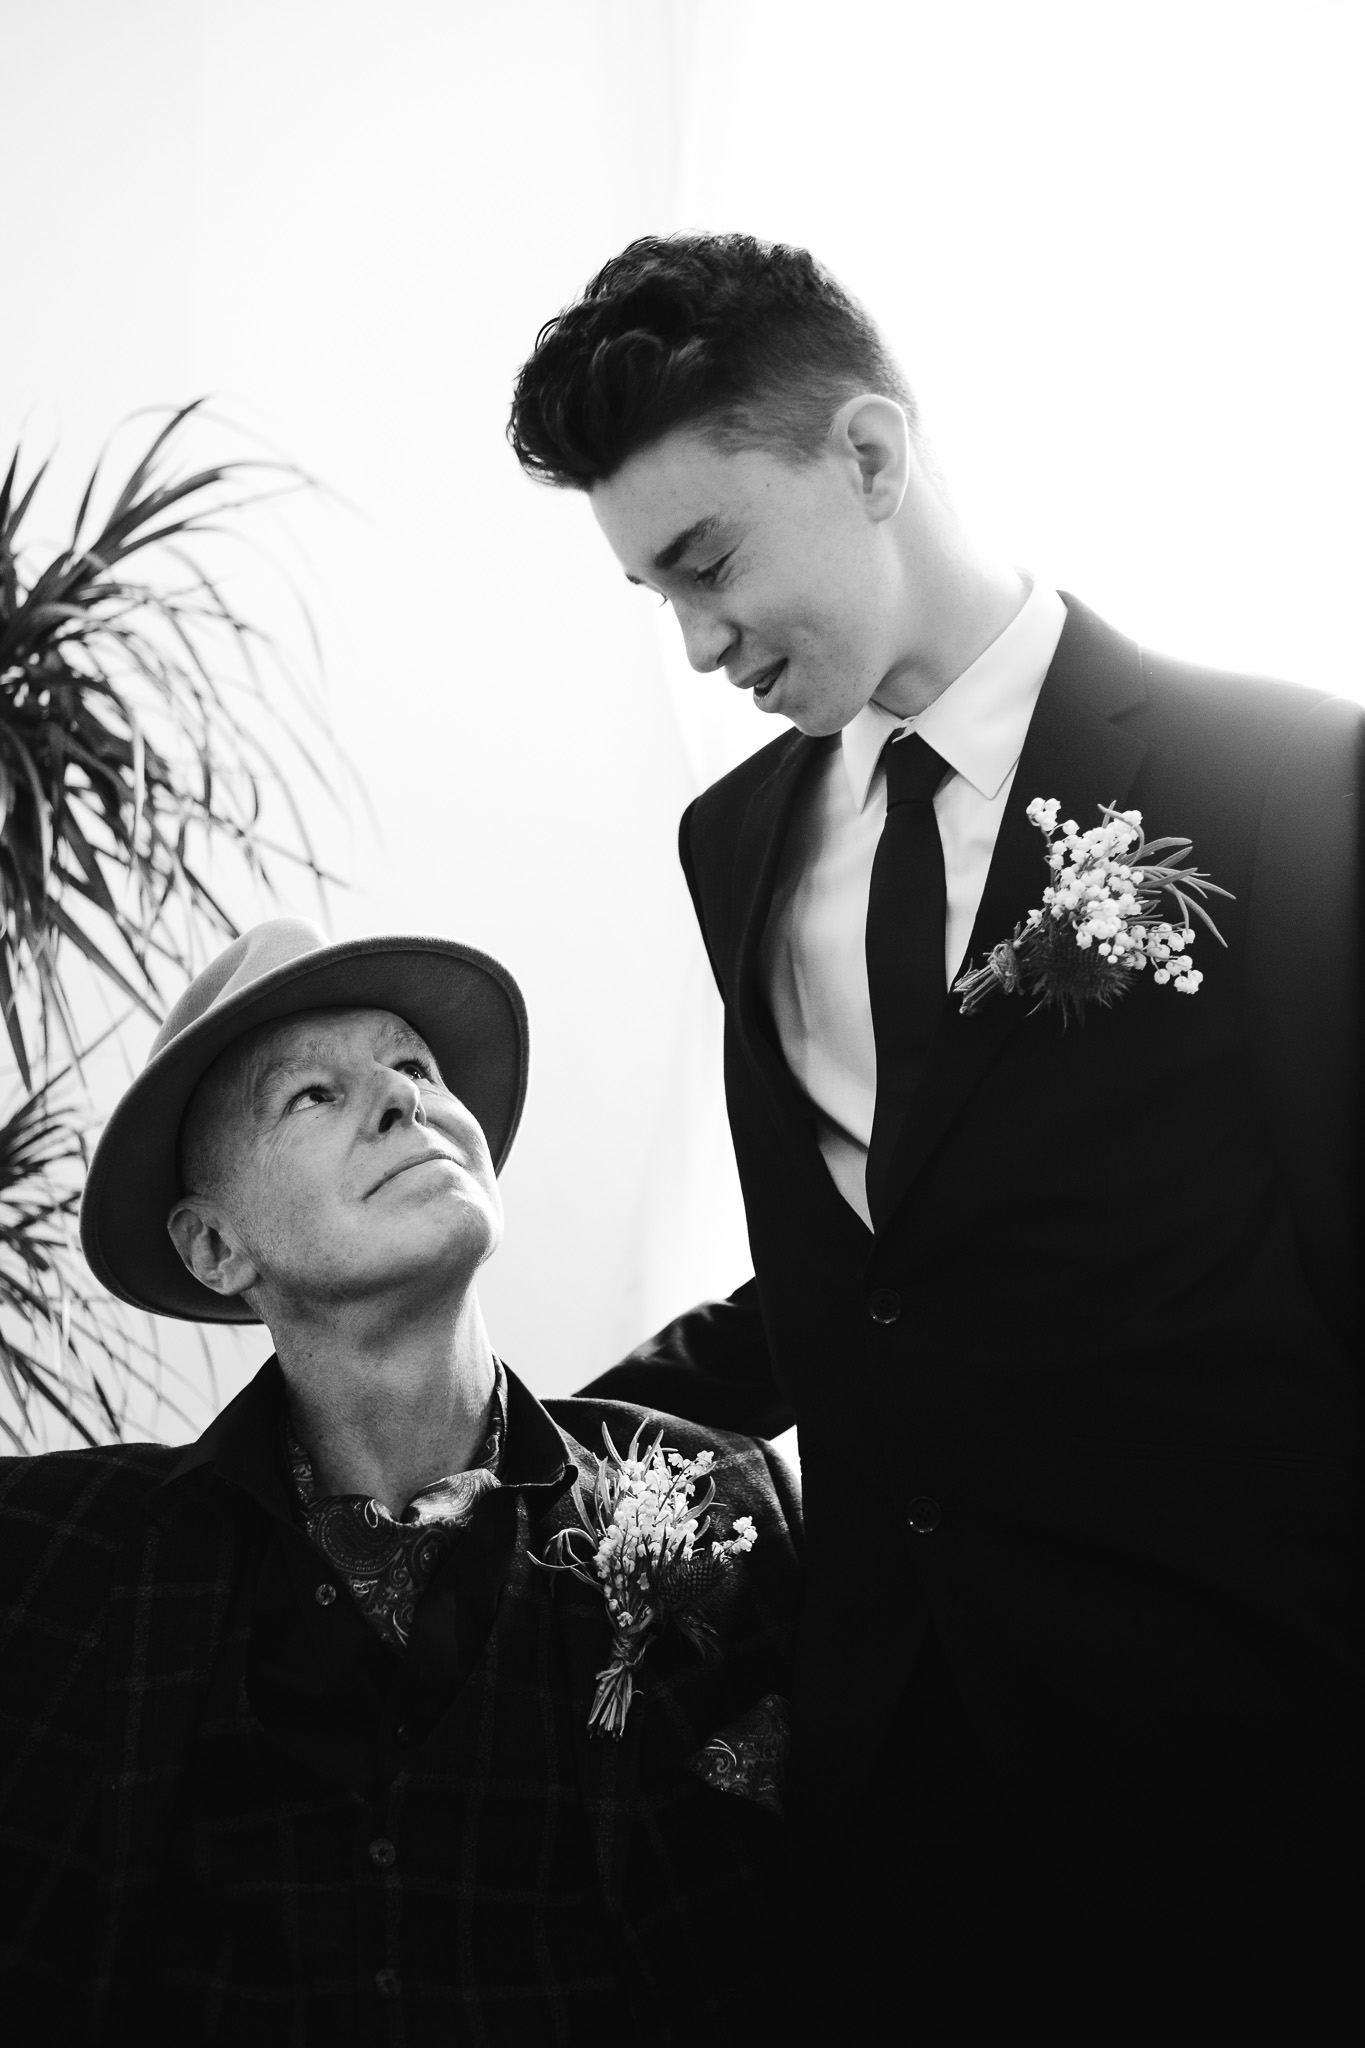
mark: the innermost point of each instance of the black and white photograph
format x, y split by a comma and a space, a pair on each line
682, 695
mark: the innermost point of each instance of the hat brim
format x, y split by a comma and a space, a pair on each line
463, 1003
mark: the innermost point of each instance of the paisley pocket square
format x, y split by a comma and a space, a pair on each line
748, 1756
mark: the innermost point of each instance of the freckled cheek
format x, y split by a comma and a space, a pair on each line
809, 605
291, 1212
814, 642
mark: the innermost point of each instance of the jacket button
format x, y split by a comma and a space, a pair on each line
325, 1594
884, 1305
924, 1514
388, 1983
382, 1853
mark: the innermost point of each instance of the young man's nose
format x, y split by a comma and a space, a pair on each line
707, 640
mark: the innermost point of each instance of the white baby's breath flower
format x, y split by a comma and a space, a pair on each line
644, 1529
1098, 926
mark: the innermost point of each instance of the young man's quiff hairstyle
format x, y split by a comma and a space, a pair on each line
752, 341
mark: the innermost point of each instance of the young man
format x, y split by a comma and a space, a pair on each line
297, 1739
1067, 1316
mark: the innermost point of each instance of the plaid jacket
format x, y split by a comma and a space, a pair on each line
118, 1607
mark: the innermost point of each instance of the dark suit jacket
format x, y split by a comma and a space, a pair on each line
1109, 1328
114, 1590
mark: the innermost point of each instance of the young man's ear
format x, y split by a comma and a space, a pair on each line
209, 1247
873, 435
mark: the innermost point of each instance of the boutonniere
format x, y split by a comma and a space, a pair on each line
1102, 921
642, 1543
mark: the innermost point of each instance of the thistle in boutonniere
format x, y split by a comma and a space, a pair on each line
1101, 923
642, 1543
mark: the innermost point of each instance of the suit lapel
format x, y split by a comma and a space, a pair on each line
757, 857
1073, 752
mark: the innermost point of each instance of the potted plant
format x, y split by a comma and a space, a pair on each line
143, 722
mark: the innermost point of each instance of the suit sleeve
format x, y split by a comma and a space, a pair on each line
689, 868
1303, 996
710, 1365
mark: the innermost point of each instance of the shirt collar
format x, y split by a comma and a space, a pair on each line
441, 1498
245, 1446
979, 722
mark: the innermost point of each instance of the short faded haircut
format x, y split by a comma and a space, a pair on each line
753, 342
223, 1096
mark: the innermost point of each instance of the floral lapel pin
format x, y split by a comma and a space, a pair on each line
1101, 921
642, 1543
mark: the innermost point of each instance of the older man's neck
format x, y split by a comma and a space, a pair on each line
385, 1410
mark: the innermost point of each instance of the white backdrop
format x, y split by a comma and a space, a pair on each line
1117, 247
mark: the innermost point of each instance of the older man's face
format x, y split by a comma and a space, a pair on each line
344, 1163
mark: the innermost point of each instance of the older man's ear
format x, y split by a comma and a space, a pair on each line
209, 1248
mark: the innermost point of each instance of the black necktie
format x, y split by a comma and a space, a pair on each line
907, 908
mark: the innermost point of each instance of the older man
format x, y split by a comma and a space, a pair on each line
296, 1728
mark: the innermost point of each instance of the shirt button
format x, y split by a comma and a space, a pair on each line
325, 1594
402, 1734
884, 1305
388, 1983
381, 1853
924, 1514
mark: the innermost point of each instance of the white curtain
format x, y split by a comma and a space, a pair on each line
1116, 247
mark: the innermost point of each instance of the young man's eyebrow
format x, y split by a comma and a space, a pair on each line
670, 556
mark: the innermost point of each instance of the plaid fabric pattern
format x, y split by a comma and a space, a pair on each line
512, 1872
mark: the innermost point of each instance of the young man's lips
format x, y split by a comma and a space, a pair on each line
764, 681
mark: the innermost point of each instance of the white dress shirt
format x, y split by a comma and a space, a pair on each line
814, 958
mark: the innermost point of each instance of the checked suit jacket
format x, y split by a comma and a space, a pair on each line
1088, 1404
115, 1606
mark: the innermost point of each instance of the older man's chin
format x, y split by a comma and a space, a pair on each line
444, 1256
455, 1207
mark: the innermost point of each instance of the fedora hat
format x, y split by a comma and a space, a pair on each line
464, 1004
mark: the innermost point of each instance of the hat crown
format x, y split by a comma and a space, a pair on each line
258, 952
